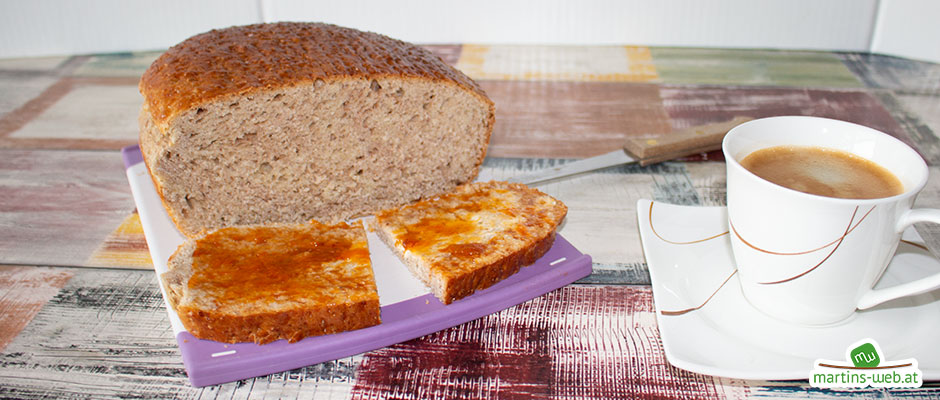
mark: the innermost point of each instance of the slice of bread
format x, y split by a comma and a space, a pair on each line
472, 237
287, 122
265, 283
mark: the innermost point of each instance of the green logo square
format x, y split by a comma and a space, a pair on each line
865, 356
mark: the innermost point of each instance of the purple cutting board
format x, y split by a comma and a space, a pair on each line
208, 362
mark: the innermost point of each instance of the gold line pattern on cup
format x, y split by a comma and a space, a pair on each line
688, 310
838, 242
778, 253
847, 230
652, 228
915, 244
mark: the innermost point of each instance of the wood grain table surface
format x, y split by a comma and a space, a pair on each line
81, 314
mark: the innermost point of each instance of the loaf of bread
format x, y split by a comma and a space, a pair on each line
472, 237
287, 122
280, 281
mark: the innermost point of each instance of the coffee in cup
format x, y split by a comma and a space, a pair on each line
822, 171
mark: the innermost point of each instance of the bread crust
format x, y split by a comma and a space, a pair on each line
292, 325
243, 59
491, 274
428, 236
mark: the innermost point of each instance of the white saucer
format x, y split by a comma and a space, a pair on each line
728, 337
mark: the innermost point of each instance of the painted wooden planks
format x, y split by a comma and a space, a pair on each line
104, 334
739, 67
23, 292
894, 73
76, 113
919, 116
125, 247
56, 207
558, 63
693, 105
590, 342
571, 119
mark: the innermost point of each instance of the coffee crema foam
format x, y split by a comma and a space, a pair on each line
823, 172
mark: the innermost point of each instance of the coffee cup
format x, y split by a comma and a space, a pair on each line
814, 259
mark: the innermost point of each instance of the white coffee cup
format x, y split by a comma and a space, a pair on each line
811, 259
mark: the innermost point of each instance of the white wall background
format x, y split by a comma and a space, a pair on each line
908, 28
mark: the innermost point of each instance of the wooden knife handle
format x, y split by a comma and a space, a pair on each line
697, 139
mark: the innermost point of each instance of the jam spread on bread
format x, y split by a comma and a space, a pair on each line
243, 265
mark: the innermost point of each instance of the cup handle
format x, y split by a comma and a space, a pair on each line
922, 285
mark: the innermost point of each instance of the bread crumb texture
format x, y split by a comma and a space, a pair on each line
265, 283
472, 237
289, 122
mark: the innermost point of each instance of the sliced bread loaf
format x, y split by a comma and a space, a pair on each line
264, 283
288, 122
472, 237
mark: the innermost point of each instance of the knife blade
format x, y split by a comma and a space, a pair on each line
645, 151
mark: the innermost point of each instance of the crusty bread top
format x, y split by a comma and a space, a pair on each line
244, 59
473, 225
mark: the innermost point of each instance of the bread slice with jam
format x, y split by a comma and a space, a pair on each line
472, 237
280, 281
